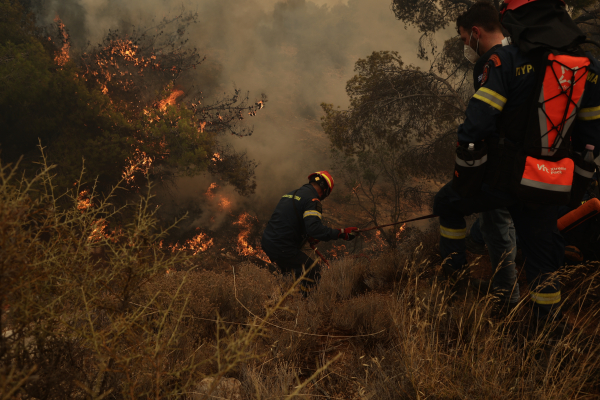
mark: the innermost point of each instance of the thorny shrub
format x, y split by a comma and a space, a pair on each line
91, 310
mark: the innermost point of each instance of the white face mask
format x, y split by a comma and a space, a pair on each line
471, 54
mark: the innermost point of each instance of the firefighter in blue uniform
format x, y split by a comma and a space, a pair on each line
296, 220
493, 227
497, 115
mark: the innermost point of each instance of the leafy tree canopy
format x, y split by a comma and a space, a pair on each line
118, 106
395, 133
430, 16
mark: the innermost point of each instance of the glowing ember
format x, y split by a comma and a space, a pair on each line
400, 231
141, 162
217, 157
260, 105
379, 243
210, 192
83, 201
202, 126
198, 244
243, 247
171, 100
63, 57
224, 203
98, 231
338, 251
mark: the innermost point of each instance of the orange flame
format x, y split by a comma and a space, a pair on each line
209, 193
378, 242
202, 126
224, 203
63, 57
198, 244
98, 231
83, 201
243, 247
171, 100
217, 157
400, 231
338, 251
141, 162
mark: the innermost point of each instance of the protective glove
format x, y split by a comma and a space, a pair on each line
347, 233
313, 241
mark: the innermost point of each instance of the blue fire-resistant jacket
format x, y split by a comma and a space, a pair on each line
506, 86
289, 226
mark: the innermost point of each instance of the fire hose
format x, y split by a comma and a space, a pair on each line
397, 223
370, 229
567, 222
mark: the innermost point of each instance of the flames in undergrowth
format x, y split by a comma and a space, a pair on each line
198, 244
83, 201
98, 231
400, 232
245, 222
379, 243
338, 251
203, 242
62, 58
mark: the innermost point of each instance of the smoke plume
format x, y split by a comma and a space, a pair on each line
298, 52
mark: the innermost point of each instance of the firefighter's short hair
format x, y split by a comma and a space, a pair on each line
483, 14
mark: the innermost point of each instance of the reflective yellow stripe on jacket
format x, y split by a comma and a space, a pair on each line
589, 114
453, 233
289, 196
312, 213
490, 97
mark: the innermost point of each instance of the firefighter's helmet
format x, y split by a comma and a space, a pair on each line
324, 180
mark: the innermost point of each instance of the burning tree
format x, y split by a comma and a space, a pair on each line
123, 106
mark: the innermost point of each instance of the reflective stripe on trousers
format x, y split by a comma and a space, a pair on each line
450, 233
546, 298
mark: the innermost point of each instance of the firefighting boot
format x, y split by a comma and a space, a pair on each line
502, 307
458, 278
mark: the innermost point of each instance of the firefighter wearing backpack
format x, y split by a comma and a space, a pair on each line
296, 220
514, 147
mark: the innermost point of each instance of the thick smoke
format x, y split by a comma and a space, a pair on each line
299, 52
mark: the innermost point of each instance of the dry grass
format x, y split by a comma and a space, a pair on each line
102, 318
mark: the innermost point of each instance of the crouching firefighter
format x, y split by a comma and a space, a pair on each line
296, 220
522, 141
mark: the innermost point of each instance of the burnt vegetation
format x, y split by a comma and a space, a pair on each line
102, 299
